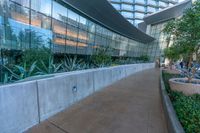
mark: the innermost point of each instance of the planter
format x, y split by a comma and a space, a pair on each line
173, 124
44, 96
171, 71
181, 85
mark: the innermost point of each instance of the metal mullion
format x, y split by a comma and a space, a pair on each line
51, 26
30, 24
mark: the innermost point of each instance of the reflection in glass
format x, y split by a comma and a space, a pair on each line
65, 32
40, 37
22, 2
59, 12
19, 13
40, 20
73, 18
43, 6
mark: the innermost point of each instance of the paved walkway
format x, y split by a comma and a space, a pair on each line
132, 105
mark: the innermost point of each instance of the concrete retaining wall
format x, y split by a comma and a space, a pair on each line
25, 104
173, 124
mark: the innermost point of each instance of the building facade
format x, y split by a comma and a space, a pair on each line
52, 24
135, 10
155, 23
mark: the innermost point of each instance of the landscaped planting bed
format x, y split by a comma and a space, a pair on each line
187, 107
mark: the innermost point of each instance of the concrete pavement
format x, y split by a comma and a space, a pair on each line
131, 105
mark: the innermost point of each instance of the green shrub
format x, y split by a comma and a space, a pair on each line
31, 55
144, 58
102, 57
187, 107
73, 64
48, 68
17, 72
188, 111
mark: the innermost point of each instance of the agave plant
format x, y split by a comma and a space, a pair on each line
72, 64
19, 72
6, 78
49, 68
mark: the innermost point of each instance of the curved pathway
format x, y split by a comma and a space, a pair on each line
131, 105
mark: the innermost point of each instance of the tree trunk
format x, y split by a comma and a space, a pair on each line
190, 61
170, 64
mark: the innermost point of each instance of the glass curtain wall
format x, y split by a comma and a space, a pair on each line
135, 10
155, 48
28, 24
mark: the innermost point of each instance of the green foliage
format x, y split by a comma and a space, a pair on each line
186, 32
144, 58
188, 111
31, 55
19, 72
6, 78
41, 62
72, 64
102, 57
187, 107
170, 28
172, 53
48, 68
125, 61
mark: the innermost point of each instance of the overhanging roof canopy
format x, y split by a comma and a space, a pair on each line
104, 13
168, 13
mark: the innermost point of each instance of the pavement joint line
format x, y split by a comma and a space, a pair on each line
52, 123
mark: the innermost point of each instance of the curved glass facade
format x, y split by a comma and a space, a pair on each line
156, 48
28, 24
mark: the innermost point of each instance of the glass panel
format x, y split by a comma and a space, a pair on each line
2, 2
72, 32
59, 36
22, 2
152, 2
151, 9
19, 13
163, 4
91, 26
98, 29
40, 38
18, 34
140, 1
140, 8
83, 23
116, 6
82, 36
127, 14
126, 7
98, 40
40, 20
73, 18
91, 38
128, 1
116, 0
43, 6
59, 12
139, 15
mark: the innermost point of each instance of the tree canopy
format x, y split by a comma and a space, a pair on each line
185, 33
